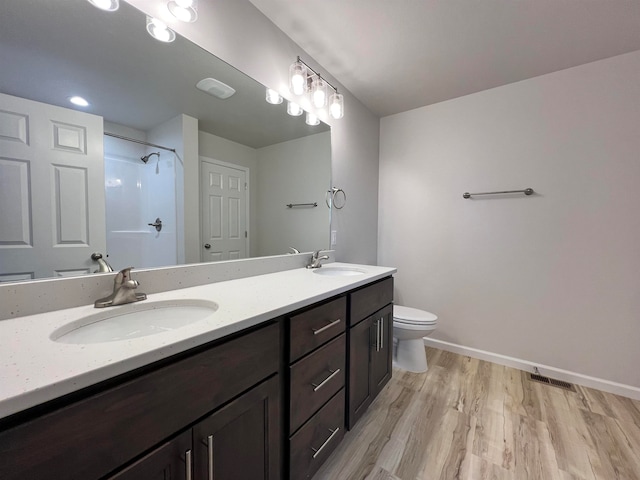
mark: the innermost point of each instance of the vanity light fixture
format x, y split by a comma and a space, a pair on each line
79, 101
106, 5
294, 109
312, 119
184, 10
304, 79
273, 97
159, 30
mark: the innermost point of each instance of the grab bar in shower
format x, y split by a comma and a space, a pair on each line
291, 205
526, 191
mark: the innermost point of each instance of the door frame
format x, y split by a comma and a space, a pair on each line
247, 177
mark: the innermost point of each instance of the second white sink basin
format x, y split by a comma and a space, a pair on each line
338, 271
134, 320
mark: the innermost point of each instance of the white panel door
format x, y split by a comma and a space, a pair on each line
52, 207
224, 212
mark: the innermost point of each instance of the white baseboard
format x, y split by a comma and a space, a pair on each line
552, 372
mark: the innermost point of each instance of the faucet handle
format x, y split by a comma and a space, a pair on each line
122, 276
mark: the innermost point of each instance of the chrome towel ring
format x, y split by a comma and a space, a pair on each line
332, 195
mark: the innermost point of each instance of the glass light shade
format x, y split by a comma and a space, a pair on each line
319, 92
336, 105
184, 10
273, 97
159, 30
294, 109
312, 119
107, 5
297, 78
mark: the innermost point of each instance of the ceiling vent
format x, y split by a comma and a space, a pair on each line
215, 87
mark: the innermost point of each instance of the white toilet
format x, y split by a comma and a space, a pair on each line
410, 325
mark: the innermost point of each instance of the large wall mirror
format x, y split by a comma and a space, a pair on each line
154, 171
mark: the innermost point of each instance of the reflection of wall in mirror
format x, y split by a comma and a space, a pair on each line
297, 171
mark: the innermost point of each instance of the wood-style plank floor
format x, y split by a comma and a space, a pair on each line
471, 419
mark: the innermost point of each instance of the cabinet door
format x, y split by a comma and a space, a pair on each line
241, 441
360, 395
169, 461
382, 349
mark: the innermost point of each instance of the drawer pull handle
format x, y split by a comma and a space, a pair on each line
316, 331
323, 383
333, 434
188, 462
210, 455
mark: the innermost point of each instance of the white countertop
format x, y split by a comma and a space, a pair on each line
35, 369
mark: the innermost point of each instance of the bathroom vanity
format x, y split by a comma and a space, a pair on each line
264, 388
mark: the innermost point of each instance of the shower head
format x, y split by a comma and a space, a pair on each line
145, 159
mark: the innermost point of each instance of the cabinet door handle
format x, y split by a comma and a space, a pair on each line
378, 336
210, 455
316, 331
188, 462
381, 333
318, 386
333, 434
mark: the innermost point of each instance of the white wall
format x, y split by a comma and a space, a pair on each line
552, 278
296, 171
236, 32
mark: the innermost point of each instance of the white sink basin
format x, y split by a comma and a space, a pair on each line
338, 271
134, 320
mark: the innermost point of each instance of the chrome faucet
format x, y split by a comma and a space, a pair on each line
315, 259
124, 291
103, 265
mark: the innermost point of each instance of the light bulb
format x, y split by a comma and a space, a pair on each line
297, 78
184, 10
294, 109
319, 92
336, 106
312, 119
107, 5
273, 97
159, 30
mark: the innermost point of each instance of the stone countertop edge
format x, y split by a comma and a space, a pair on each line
35, 369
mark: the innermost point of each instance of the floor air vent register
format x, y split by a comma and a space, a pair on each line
551, 381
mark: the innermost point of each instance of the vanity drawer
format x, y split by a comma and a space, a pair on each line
314, 442
122, 422
315, 327
370, 299
315, 379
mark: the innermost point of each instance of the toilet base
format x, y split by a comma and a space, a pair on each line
410, 355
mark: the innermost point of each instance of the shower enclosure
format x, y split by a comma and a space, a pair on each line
140, 190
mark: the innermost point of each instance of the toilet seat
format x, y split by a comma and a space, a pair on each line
413, 316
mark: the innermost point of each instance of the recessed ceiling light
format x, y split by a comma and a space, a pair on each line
159, 30
108, 5
215, 87
79, 101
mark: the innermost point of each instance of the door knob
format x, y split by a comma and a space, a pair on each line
207, 246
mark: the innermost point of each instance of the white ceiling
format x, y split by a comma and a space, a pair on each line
396, 55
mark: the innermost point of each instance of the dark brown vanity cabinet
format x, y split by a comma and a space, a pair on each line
370, 345
239, 441
317, 363
146, 420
